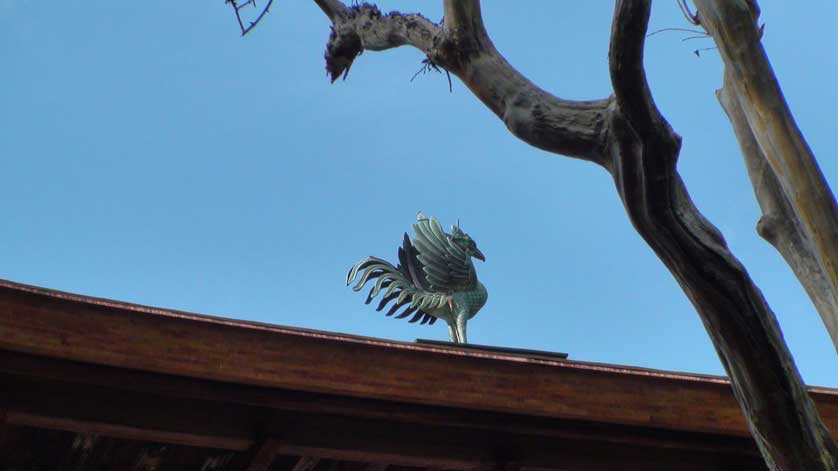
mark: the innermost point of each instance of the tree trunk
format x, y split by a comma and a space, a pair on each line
626, 134
800, 217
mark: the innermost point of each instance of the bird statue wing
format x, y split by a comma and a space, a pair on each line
402, 284
434, 279
431, 269
445, 266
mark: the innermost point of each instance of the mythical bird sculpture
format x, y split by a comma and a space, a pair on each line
435, 278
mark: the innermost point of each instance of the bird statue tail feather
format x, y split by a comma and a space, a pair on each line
396, 286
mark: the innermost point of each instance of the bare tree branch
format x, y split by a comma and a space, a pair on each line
464, 29
750, 79
778, 224
332, 8
237, 9
628, 77
628, 136
361, 27
744, 331
538, 118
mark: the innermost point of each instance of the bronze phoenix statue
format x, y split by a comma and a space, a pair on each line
435, 278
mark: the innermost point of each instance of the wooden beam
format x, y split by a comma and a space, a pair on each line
263, 454
60, 325
118, 381
126, 432
407, 449
356, 466
417, 446
305, 463
127, 415
226, 425
3, 425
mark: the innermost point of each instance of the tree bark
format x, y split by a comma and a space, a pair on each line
626, 134
800, 216
779, 224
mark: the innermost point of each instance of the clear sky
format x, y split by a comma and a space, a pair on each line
150, 154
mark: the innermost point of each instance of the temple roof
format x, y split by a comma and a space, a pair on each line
92, 382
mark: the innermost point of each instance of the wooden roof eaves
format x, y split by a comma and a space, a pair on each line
91, 330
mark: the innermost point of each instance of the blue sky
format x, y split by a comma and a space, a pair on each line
150, 154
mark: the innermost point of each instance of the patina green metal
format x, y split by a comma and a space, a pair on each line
435, 278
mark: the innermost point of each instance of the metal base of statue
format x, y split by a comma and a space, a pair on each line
525, 352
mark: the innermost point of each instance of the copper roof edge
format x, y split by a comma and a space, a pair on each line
594, 367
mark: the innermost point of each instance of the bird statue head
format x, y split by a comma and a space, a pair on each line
465, 242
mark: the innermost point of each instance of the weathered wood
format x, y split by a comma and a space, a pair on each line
628, 136
452, 448
285, 401
218, 461
781, 416
263, 453
127, 415
133, 337
127, 432
3, 424
336, 438
751, 82
82, 450
305, 463
778, 224
31, 449
572, 128
114, 414
133, 407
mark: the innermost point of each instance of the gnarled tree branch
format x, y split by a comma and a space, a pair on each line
364, 27
538, 118
628, 136
778, 224
332, 8
744, 330
804, 227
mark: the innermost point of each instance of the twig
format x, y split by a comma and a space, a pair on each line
686, 30
237, 7
697, 52
685, 9
428, 65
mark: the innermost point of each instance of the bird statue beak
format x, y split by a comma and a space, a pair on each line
479, 255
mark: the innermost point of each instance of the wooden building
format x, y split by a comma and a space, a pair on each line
93, 384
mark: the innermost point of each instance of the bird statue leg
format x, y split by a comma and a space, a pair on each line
461, 319
452, 332
457, 321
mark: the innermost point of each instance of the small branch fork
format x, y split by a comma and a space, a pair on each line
237, 9
688, 14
